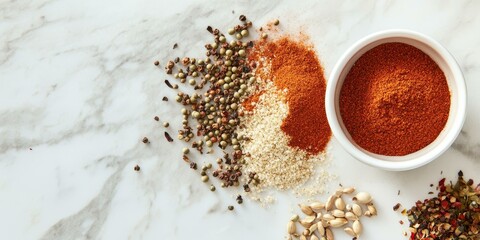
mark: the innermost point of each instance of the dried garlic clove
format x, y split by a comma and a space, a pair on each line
306, 209
329, 234
303, 237
340, 204
357, 227
328, 217
313, 228
291, 228
314, 237
309, 219
372, 210
305, 224
317, 207
338, 213
367, 214
363, 197
350, 231
338, 222
330, 203
349, 190
321, 229
294, 218
351, 216
357, 210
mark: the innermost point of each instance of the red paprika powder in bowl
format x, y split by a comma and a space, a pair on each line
396, 100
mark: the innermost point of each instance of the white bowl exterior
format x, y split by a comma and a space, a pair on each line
455, 81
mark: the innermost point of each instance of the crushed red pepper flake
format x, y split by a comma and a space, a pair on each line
453, 214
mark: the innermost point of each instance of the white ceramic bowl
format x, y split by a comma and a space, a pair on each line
455, 82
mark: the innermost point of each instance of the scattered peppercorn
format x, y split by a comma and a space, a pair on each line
246, 188
168, 137
212, 188
396, 207
168, 83
453, 214
166, 124
231, 208
136, 168
205, 178
239, 199
165, 99
193, 166
276, 22
175, 45
242, 18
156, 63
145, 140
156, 118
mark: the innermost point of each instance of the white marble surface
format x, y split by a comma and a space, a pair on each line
78, 87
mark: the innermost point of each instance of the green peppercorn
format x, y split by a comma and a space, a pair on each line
276, 22
184, 111
264, 35
224, 136
195, 114
242, 53
229, 52
231, 31
222, 39
212, 188
238, 36
192, 82
244, 32
185, 150
205, 178
166, 124
209, 143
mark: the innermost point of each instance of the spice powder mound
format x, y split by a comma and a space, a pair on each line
294, 66
275, 163
395, 100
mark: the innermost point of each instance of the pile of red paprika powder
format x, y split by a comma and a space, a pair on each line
294, 67
395, 100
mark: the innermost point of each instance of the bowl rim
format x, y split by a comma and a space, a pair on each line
450, 136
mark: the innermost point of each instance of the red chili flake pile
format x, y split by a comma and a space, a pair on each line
453, 214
